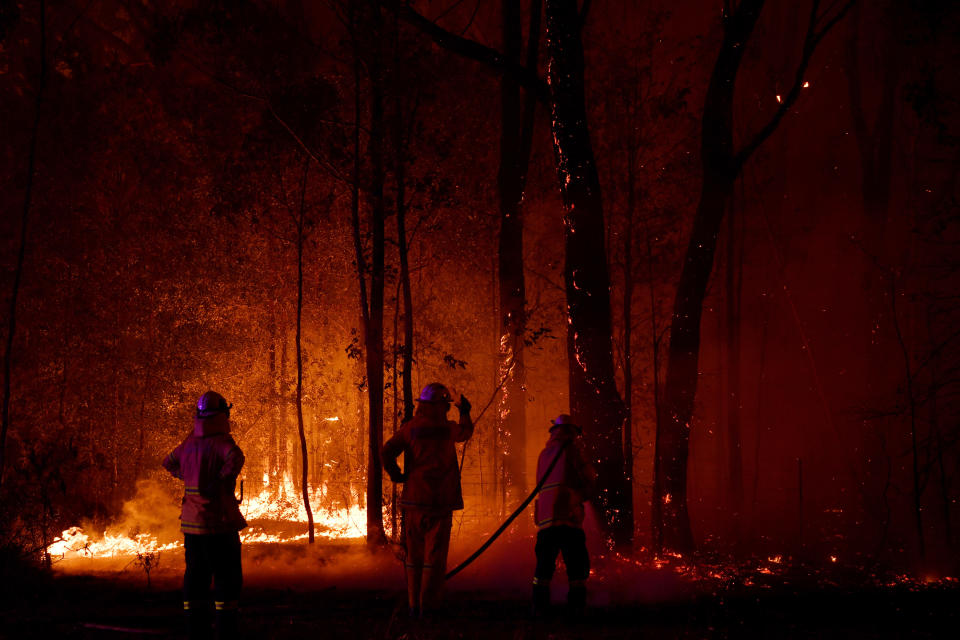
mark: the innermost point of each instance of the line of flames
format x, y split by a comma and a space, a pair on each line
279, 502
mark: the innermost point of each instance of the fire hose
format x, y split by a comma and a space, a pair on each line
513, 516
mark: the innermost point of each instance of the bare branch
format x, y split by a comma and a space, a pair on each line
810, 42
473, 50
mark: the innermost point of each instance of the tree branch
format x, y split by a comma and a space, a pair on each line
810, 42
473, 50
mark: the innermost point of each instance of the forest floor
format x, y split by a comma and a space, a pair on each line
355, 595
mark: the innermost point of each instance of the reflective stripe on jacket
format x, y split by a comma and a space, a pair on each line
432, 471
208, 462
570, 483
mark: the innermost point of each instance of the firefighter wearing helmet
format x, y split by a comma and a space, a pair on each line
559, 512
208, 462
431, 491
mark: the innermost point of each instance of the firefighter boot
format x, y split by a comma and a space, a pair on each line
577, 599
227, 624
198, 621
541, 598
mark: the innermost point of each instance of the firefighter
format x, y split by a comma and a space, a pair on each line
559, 515
208, 462
431, 491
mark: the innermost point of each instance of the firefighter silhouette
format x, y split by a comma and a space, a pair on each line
208, 462
559, 515
431, 491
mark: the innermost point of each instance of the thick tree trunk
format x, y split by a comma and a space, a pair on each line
22, 247
304, 468
594, 400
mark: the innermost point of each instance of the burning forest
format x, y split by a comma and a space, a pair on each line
387, 306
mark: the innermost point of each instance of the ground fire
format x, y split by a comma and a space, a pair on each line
463, 319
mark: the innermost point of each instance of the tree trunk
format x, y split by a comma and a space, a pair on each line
272, 458
671, 526
399, 174
22, 248
515, 126
304, 468
374, 329
594, 400
627, 309
283, 444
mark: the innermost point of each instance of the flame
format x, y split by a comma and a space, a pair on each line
277, 503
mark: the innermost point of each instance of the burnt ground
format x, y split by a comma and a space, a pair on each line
45, 606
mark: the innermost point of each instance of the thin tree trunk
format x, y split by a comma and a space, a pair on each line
304, 480
627, 311
284, 451
399, 174
912, 406
272, 442
22, 249
374, 333
594, 399
514, 156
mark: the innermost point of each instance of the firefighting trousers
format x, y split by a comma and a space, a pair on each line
427, 536
569, 541
216, 558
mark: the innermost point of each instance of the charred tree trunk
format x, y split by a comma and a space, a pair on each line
594, 400
627, 308
372, 310
284, 405
399, 175
22, 247
516, 132
273, 396
304, 468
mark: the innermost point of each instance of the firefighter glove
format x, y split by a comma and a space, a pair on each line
464, 405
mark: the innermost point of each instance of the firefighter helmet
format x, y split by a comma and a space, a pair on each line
211, 403
565, 420
435, 393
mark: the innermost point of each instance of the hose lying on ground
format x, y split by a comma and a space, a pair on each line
513, 516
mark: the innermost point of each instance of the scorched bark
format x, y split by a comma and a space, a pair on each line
594, 400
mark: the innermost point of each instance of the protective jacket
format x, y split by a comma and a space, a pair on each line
572, 480
432, 472
208, 462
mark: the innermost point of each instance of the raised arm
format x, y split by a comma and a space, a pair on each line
465, 426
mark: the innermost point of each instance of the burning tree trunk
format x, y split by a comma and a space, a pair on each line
721, 165
594, 399
21, 251
304, 483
